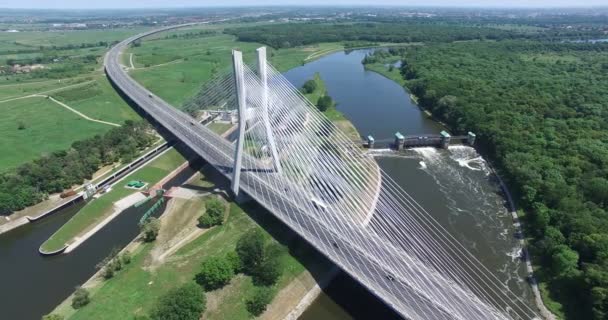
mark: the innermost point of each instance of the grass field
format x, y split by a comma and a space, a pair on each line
175, 69
98, 100
35, 39
136, 288
219, 127
48, 128
97, 210
15, 90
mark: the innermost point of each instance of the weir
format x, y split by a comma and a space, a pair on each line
442, 140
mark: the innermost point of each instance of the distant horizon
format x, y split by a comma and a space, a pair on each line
190, 4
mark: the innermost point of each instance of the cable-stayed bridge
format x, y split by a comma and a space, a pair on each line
293, 161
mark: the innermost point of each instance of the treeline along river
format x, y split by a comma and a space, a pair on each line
455, 185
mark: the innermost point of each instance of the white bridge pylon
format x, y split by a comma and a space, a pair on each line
295, 162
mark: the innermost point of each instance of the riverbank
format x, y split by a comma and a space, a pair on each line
176, 255
336, 117
55, 202
544, 311
99, 209
395, 75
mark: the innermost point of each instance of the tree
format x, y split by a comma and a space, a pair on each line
597, 190
541, 216
214, 213
324, 103
125, 258
21, 125
260, 259
309, 86
250, 249
81, 298
184, 303
599, 296
564, 261
269, 269
215, 273
256, 304
150, 229
233, 258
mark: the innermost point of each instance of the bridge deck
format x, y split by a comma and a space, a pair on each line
343, 247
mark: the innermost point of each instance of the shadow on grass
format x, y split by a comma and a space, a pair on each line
348, 293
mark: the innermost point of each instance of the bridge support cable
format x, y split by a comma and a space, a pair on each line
298, 165
266, 117
310, 164
239, 78
502, 287
323, 185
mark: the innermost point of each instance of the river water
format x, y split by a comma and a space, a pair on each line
32, 285
454, 185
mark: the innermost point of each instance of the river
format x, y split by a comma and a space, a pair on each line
454, 185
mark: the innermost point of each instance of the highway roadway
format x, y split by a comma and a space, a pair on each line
375, 270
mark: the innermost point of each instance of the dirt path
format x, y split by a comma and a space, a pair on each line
131, 61
48, 91
76, 111
159, 65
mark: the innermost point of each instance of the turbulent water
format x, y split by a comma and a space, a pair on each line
474, 209
455, 186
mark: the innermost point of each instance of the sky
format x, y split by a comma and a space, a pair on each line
87, 4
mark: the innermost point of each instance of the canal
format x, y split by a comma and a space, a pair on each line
454, 185
32, 285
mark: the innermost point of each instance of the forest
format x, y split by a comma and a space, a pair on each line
536, 96
540, 111
33, 182
296, 34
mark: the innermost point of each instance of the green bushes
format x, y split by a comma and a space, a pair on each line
324, 103
184, 303
80, 298
114, 263
215, 273
214, 213
256, 304
259, 258
309, 86
150, 229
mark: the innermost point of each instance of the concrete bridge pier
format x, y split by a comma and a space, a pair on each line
370, 142
471, 138
239, 79
445, 139
399, 141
